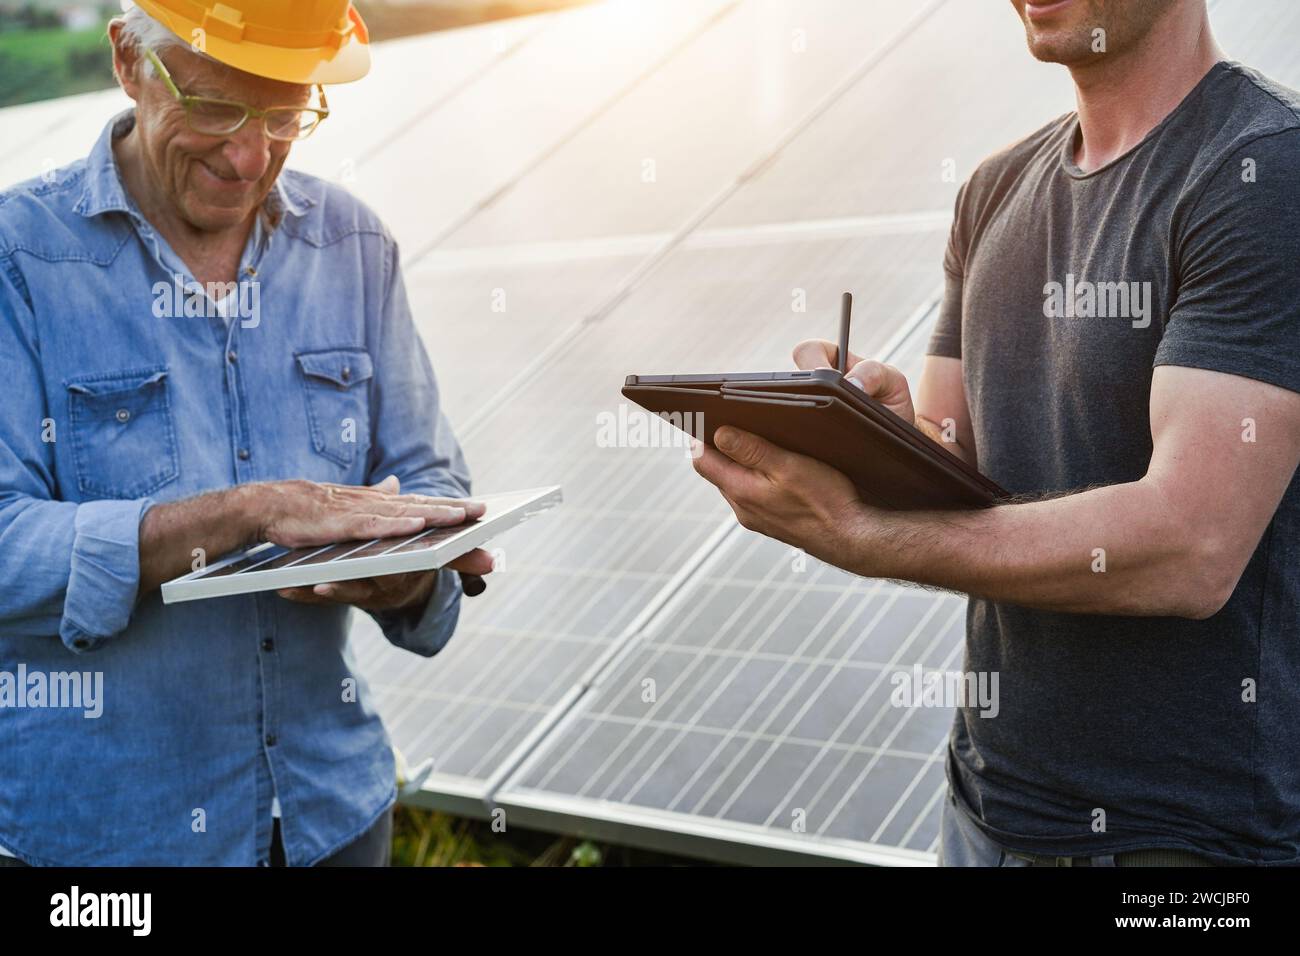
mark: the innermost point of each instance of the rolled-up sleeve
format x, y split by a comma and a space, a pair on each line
414, 441
104, 572
66, 569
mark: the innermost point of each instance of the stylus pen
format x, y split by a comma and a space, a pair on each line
846, 310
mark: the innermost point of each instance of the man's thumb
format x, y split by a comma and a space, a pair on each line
740, 447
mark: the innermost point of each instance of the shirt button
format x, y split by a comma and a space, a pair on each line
270, 740
268, 644
81, 643
249, 270
347, 373
123, 415
244, 455
232, 356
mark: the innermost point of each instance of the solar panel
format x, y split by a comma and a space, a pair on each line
268, 566
1261, 33
763, 702
410, 80
475, 144
715, 297
634, 516
873, 784
628, 527
758, 699
692, 127
40, 137
958, 87
521, 308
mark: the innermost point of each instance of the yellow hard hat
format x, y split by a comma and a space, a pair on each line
297, 41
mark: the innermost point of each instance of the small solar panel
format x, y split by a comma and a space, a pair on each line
266, 567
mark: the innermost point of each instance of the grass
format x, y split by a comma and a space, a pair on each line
428, 838
40, 64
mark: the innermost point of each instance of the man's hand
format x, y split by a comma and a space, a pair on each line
293, 514
781, 494
884, 383
351, 509
298, 514
1175, 541
942, 416
390, 591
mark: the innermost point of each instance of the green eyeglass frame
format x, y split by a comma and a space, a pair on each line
227, 117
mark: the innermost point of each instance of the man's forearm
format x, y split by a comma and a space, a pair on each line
1113, 550
217, 522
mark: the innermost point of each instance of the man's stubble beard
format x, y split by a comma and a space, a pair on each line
1125, 24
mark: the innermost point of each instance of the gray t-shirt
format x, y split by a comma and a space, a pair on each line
1184, 251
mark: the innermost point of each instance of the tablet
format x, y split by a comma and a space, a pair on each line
819, 414
268, 567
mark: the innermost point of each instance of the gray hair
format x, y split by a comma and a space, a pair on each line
140, 32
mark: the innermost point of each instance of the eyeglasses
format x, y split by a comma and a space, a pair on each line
215, 117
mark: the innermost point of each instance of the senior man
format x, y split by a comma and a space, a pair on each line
288, 399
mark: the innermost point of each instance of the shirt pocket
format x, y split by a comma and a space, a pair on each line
336, 387
123, 440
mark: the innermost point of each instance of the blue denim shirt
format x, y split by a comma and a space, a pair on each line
210, 709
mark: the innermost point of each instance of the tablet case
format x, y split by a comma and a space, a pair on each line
818, 414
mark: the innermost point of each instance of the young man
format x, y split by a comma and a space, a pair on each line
288, 400
1118, 340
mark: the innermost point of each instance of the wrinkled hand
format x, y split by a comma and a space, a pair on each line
299, 514
781, 494
884, 383
305, 513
